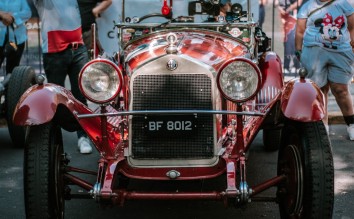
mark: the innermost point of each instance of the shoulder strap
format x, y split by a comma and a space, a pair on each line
8, 33
328, 3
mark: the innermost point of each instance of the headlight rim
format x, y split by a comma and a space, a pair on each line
120, 77
254, 65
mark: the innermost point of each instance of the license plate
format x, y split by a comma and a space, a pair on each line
171, 125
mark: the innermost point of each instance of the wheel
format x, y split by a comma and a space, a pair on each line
271, 139
43, 177
21, 79
305, 158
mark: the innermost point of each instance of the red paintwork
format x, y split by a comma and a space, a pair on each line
187, 173
272, 73
300, 100
213, 49
39, 105
303, 101
165, 10
272, 76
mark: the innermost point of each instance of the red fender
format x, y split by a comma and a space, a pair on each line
303, 101
270, 66
40, 103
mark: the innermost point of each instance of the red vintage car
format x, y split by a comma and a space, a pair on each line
183, 99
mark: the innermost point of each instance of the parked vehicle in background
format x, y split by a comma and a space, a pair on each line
182, 100
11, 88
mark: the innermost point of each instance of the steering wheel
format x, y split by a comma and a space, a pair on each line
150, 15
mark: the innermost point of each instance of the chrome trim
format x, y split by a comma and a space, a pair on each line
168, 163
172, 65
173, 174
187, 65
266, 94
169, 112
184, 25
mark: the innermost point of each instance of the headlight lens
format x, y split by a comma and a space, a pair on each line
239, 80
100, 81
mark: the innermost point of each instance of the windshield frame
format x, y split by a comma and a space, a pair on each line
248, 8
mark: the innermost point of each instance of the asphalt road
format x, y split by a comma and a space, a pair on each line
261, 165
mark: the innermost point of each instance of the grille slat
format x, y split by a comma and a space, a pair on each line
168, 92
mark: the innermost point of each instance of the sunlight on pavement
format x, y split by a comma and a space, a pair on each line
344, 177
8, 182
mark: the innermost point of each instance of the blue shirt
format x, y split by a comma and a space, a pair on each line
327, 27
21, 11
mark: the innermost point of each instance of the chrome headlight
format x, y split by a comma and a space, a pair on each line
100, 80
239, 79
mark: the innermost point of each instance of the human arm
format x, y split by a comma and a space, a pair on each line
293, 6
6, 18
101, 7
263, 2
299, 34
23, 14
280, 8
350, 20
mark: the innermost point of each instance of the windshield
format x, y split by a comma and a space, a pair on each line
200, 10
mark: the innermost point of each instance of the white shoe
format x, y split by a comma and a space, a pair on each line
84, 145
350, 130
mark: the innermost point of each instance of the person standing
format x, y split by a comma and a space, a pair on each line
262, 4
324, 44
89, 11
64, 52
13, 16
288, 12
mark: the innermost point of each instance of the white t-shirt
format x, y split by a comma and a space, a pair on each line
328, 26
61, 24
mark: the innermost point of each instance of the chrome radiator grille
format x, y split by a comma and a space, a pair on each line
171, 92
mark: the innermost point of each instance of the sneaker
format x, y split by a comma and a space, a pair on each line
350, 130
84, 145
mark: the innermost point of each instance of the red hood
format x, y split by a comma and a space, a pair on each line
212, 48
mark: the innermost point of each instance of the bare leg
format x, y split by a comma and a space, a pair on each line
325, 90
343, 98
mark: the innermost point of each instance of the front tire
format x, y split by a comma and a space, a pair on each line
21, 79
305, 158
43, 172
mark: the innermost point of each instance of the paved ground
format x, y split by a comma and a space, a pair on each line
261, 165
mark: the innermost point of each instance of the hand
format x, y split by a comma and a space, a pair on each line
7, 19
96, 12
282, 11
